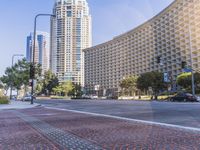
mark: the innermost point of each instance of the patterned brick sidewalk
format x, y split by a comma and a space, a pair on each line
15, 134
87, 130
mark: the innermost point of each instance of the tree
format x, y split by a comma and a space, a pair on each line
64, 88
12, 78
151, 79
76, 91
67, 87
48, 83
185, 81
18, 75
129, 85
21, 74
1, 89
58, 90
3, 86
39, 87
6, 79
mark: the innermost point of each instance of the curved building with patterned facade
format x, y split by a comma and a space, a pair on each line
173, 35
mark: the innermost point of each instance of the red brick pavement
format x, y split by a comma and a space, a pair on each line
116, 134
15, 134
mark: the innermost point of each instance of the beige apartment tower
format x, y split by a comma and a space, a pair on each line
70, 34
173, 35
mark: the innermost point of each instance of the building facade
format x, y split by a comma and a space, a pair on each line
173, 35
70, 34
42, 49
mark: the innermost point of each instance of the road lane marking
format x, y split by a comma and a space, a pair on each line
193, 129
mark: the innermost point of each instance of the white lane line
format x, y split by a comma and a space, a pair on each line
132, 120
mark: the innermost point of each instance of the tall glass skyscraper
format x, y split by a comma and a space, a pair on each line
42, 49
70, 34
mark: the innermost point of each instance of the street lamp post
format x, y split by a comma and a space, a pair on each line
33, 58
191, 62
11, 88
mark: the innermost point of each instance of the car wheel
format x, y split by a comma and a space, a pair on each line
185, 100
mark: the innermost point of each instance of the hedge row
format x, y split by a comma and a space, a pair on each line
4, 100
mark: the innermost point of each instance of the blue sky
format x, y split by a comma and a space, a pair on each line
110, 18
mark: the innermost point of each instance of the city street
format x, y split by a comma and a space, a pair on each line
183, 114
96, 125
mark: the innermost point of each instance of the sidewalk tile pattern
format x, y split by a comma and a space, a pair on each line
113, 134
66, 140
47, 129
15, 134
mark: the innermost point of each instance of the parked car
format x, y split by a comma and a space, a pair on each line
28, 98
14, 97
94, 97
184, 97
198, 98
86, 96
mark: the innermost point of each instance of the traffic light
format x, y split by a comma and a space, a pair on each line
158, 59
183, 64
32, 71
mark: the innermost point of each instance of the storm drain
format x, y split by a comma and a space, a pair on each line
66, 140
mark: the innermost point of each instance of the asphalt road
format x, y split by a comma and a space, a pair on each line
182, 114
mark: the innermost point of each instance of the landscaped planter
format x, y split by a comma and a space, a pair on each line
4, 100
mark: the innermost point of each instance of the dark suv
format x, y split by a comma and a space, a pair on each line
184, 97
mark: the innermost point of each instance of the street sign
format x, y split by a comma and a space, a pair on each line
187, 70
166, 77
150, 89
96, 87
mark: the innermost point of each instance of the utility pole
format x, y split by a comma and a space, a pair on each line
11, 88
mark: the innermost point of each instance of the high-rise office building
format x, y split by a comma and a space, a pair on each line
173, 35
42, 49
70, 34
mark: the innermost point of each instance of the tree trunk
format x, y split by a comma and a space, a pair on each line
6, 92
156, 95
17, 92
25, 90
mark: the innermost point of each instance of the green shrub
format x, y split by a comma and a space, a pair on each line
58, 97
4, 100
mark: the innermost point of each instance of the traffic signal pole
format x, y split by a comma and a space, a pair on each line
191, 62
32, 65
183, 64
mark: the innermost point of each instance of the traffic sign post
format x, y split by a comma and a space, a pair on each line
166, 77
96, 88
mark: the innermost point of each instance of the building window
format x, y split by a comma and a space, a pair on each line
69, 13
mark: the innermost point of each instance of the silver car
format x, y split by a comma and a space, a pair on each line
28, 98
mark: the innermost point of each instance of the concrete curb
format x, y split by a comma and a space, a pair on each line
18, 105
